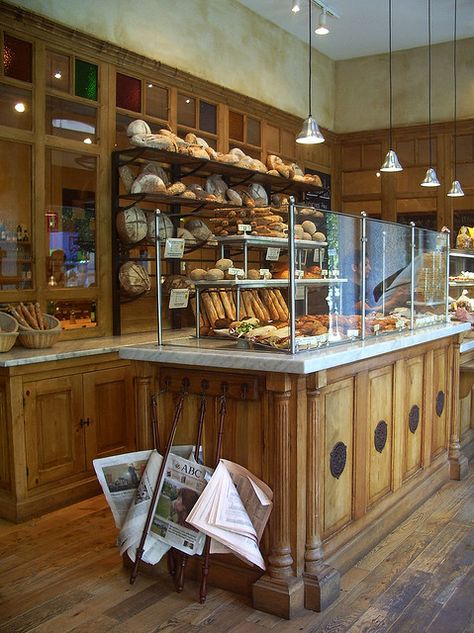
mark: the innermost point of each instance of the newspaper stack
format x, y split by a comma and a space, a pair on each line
192, 503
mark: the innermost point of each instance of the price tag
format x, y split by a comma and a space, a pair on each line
299, 274
179, 298
352, 333
376, 328
324, 272
273, 254
265, 273
237, 272
299, 292
174, 248
244, 228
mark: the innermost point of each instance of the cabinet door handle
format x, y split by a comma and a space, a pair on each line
85, 422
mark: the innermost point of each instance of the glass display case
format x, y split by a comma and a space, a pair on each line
333, 278
461, 283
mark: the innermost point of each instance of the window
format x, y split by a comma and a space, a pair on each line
17, 58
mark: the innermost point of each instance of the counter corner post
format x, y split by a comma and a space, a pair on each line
279, 591
143, 384
458, 463
321, 582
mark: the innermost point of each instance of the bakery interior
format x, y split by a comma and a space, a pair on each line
263, 202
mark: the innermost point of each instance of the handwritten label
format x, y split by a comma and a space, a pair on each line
299, 274
324, 272
265, 273
352, 333
244, 228
174, 248
273, 254
179, 298
237, 272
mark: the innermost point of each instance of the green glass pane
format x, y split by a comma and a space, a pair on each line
86, 80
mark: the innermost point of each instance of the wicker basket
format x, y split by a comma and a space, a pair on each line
38, 339
8, 332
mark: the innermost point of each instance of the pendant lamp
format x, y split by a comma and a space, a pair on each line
431, 179
391, 162
310, 133
456, 189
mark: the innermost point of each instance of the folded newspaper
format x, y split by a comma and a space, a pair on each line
192, 503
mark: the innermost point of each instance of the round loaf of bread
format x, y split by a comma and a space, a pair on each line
234, 197
155, 170
309, 227
131, 225
165, 226
201, 142
253, 274
237, 152
188, 194
258, 193
299, 231
138, 127
230, 159
127, 177
134, 279
319, 237
176, 189
216, 185
224, 264
190, 138
185, 235
198, 228
211, 152
148, 183
198, 274
306, 236
214, 274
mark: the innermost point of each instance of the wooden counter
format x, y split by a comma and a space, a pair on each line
350, 448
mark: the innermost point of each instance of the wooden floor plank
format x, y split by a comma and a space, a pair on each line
459, 612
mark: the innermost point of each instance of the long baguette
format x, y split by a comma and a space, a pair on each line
19, 317
282, 314
256, 307
32, 310
247, 301
209, 308
261, 305
193, 307
216, 300
282, 302
229, 311
39, 317
270, 304
27, 316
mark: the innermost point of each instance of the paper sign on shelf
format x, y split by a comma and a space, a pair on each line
273, 254
238, 272
174, 248
244, 228
265, 273
179, 298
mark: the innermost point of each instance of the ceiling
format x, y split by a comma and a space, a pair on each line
362, 28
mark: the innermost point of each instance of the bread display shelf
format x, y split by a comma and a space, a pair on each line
457, 252
462, 284
184, 202
203, 168
258, 241
266, 283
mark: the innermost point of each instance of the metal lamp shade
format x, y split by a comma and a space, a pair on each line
391, 162
431, 179
456, 190
310, 133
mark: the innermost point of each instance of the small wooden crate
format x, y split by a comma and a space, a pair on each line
8, 332
39, 339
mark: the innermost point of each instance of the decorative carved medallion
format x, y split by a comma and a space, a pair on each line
414, 418
380, 436
338, 458
440, 403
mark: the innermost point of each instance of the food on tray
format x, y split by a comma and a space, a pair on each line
28, 315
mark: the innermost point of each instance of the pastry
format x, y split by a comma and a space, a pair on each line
176, 189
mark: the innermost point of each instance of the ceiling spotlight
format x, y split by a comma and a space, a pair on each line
20, 107
150, 85
322, 28
295, 6
188, 100
87, 141
57, 75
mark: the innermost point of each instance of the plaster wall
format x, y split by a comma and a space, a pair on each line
218, 40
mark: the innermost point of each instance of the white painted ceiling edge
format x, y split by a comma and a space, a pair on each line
362, 29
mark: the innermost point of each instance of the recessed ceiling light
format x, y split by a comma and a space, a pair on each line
87, 141
150, 85
57, 75
188, 100
20, 107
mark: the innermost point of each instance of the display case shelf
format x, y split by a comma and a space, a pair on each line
266, 283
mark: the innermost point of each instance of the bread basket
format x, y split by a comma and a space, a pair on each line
8, 332
39, 339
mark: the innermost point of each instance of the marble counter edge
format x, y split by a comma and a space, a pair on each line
302, 363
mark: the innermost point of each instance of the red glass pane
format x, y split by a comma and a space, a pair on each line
17, 58
129, 93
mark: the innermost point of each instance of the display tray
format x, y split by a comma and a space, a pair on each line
266, 283
458, 252
462, 284
184, 202
260, 240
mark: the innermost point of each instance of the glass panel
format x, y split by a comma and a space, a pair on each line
236, 126
253, 132
86, 80
76, 314
430, 277
16, 256
70, 219
15, 107
57, 71
71, 120
207, 117
17, 58
156, 99
129, 93
186, 110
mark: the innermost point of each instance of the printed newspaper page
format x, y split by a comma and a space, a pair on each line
119, 477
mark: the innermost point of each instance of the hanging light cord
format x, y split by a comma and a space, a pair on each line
390, 66
429, 78
310, 59
455, 84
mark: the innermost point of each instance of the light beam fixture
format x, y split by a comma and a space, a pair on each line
431, 179
391, 162
310, 134
322, 28
295, 6
456, 189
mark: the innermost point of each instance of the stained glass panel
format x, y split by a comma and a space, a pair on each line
129, 93
85, 80
17, 58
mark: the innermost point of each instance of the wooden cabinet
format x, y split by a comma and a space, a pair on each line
62, 420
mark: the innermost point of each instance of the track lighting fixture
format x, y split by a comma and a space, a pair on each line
322, 28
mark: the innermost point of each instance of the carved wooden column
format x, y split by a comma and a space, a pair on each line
458, 463
143, 391
321, 582
279, 591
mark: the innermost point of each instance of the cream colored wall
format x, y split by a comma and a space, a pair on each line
218, 40
362, 88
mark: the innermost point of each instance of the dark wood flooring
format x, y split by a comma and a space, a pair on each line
61, 573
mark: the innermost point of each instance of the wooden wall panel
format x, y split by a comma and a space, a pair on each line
351, 157
412, 442
4, 447
372, 156
337, 406
440, 381
416, 205
465, 413
380, 410
360, 182
372, 207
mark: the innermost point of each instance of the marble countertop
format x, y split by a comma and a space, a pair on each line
202, 352
467, 345
73, 349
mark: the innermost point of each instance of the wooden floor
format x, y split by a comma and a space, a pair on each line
61, 573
